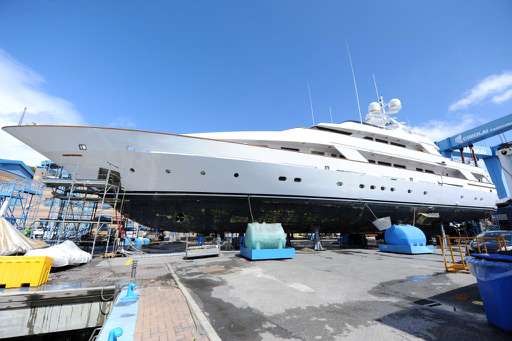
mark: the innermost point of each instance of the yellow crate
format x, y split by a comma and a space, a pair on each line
24, 271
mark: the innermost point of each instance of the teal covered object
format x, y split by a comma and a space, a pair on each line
264, 242
264, 236
405, 239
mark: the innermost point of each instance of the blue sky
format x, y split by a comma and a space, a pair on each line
195, 66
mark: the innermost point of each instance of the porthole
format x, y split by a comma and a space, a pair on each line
203, 172
382, 188
282, 178
361, 186
476, 198
462, 197
409, 191
297, 179
424, 192
236, 175
481, 199
392, 189
180, 217
372, 187
132, 170
82, 146
327, 167
339, 183
168, 171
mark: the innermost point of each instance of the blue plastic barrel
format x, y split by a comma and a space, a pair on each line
494, 275
138, 242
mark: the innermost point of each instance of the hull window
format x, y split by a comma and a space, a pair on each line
203, 172
297, 179
339, 183
168, 171
132, 170
290, 149
398, 144
282, 178
236, 175
361, 186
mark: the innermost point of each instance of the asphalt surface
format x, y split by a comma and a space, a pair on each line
353, 294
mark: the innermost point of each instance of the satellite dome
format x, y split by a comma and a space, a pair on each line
394, 105
374, 107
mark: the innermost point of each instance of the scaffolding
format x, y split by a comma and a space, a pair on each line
83, 210
24, 198
455, 250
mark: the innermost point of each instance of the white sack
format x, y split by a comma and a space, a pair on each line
13, 241
63, 254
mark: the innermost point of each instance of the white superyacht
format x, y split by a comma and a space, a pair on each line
331, 177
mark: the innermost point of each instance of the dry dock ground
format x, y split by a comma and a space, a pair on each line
340, 294
337, 295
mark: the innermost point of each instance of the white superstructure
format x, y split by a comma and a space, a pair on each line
346, 167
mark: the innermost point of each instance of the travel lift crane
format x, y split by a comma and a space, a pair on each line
497, 159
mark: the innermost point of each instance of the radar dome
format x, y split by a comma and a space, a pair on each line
374, 107
394, 105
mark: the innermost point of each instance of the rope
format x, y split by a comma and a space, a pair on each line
368, 206
250, 208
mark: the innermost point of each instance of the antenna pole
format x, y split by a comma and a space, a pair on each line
330, 114
22, 116
375, 85
355, 83
379, 98
311, 104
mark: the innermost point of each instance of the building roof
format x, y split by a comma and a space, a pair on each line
16, 168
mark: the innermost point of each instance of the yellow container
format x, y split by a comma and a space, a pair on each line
24, 271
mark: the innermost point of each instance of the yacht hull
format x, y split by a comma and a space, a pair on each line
218, 212
185, 183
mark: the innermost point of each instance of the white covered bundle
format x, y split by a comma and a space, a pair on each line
63, 254
12, 241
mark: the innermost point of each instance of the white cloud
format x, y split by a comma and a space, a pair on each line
499, 86
503, 97
437, 129
21, 87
